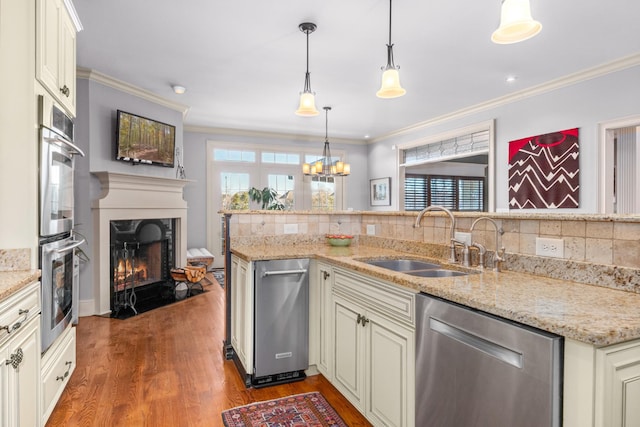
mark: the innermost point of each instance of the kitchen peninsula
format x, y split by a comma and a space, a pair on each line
595, 307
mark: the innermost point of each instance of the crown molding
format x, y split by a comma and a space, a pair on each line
98, 77
73, 14
263, 134
568, 80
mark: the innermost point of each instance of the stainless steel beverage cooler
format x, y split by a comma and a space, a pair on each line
281, 330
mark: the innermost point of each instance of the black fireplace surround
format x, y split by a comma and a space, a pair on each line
142, 255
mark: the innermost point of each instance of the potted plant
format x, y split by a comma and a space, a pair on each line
267, 198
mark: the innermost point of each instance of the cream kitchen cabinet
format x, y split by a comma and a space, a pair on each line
56, 52
320, 319
58, 363
20, 358
374, 347
242, 312
601, 385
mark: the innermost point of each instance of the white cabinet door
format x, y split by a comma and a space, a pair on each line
348, 355
618, 385
48, 27
390, 361
325, 281
56, 52
67, 62
20, 376
374, 348
242, 312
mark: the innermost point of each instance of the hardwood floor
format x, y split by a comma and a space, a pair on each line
166, 368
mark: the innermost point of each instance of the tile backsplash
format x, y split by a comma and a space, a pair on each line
598, 249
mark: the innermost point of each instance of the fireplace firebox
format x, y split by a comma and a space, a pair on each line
142, 255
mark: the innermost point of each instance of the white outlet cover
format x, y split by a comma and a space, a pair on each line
553, 248
371, 229
290, 228
463, 237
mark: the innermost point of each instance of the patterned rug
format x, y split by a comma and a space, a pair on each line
300, 410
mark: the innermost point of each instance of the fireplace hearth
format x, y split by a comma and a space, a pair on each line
142, 255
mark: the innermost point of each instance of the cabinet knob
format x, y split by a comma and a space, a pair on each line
15, 359
360, 317
325, 274
65, 90
364, 321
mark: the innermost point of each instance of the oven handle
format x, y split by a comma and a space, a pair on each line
73, 245
75, 149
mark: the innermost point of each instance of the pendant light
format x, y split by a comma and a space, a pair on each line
516, 23
307, 106
390, 77
325, 166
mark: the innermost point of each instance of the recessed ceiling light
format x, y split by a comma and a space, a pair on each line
367, 137
179, 89
511, 79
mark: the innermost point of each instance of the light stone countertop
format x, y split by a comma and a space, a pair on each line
12, 281
591, 314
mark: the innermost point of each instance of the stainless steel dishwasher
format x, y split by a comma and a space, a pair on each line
475, 369
281, 329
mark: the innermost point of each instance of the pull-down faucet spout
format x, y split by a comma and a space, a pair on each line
452, 228
499, 257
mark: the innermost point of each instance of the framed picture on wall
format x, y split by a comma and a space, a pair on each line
380, 191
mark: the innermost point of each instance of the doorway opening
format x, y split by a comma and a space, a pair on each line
619, 175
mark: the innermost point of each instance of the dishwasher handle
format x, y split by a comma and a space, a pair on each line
504, 354
283, 272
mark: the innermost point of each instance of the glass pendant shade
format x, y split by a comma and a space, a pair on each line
307, 105
390, 84
516, 23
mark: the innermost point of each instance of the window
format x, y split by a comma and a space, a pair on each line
227, 155
235, 190
453, 192
281, 158
284, 186
323, 193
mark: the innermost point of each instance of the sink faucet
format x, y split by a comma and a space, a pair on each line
452, 229
499, 258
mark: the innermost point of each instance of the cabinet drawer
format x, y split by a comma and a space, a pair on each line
58, 364
384, 298
18, 309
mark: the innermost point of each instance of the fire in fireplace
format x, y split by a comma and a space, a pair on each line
142, 255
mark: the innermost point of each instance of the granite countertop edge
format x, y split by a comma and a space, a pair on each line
592, 314
12, 281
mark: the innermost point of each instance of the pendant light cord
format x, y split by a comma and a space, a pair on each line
390, 64
389, 24
307, 76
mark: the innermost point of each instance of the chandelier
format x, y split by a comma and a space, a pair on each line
324, 166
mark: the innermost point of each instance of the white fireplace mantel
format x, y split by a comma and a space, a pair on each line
126, 196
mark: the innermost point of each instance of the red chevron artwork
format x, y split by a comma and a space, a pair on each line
544, 171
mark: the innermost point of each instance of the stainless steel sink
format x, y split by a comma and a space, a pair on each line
402, 265
437, 273
415, 267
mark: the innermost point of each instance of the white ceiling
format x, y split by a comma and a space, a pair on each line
243, 61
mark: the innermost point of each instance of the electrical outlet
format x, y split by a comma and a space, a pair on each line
463, 237
290, 228
550, 247
371, 229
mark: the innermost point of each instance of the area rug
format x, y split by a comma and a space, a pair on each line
300, 410
219, 276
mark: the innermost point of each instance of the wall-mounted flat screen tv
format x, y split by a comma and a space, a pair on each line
144, 141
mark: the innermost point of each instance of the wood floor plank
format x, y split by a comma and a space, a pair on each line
166, 368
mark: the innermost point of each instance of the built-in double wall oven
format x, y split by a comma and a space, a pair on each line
57, 259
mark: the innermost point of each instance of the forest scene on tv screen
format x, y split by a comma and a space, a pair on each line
144, 140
